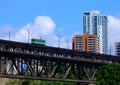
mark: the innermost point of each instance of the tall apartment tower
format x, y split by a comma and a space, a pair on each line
95, 23
117, 48
86, 42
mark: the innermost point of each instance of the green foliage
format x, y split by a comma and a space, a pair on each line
27, 73
38, 82
109, 75
25, 83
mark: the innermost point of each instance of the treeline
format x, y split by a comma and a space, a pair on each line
109, 75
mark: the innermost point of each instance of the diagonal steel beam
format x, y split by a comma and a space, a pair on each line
85, 70
15, 66
67, 71
29, 66
93, 75
53, 70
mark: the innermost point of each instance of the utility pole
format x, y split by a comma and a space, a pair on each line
67, 44
59, 40
40, 38
28, 36
9, 34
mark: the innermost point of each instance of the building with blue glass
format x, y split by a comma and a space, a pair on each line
97, 24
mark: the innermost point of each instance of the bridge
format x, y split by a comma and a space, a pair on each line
29, 61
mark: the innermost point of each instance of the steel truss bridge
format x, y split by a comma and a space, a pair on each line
29, 61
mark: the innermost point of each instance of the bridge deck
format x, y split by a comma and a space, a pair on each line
29, 61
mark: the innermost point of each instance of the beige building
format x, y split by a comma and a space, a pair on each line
86, 42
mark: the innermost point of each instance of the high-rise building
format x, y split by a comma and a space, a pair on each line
95, 23
117, 48
86, 42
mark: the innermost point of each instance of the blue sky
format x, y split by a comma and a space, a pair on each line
64, 18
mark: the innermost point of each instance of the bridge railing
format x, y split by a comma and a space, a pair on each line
58, 52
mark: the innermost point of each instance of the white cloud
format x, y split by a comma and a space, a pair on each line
42, 26
113, 31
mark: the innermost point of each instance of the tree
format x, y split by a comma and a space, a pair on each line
109, 75
25, 83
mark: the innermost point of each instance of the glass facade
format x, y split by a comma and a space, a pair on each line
91, 44
95, 23
79, 43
